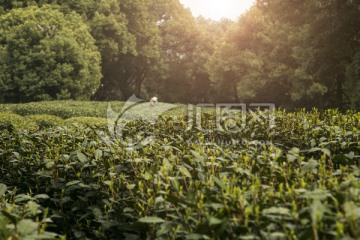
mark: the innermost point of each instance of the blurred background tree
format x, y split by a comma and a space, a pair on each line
46, 55
292, 53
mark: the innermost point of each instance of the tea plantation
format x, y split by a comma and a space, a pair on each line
60, 178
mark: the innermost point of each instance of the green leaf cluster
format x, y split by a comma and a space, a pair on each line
47, 55
297, 178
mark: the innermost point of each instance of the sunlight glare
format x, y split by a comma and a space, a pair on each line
217, 9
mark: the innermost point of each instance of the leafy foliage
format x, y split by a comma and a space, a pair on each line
22, 217
46, 55
299, 53
10, 121
68, 109
295, 179
292, 53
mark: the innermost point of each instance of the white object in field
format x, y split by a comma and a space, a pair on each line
153, 101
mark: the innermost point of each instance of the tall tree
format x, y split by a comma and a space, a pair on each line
302, 52
108, 25
146, 63
334, 35
324, 38
46, 55
202, 88
236, 66
187, 45
352, 84
178, 33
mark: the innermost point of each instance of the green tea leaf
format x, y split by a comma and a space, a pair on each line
214, 221
249, 237
184, 171
33, 207
278, 235
219, 182
151, 220
27, 227
277, 211
82, 157
41, 196
2, 189
195, 236
12, 217
98, 154
22, 197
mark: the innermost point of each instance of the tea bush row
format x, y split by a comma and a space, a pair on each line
33, 122
62, 109
294, 178
68, 109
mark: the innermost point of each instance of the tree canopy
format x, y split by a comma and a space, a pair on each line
46, 55
292, 53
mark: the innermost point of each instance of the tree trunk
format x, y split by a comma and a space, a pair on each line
340, 92
138, 83
236, 95
126, 93
138, 88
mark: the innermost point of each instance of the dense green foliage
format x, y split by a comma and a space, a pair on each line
66, 172
62, 109
292, 53
46, 55
69, 109
299, 53
295, 179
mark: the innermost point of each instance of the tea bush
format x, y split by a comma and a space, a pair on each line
68, 109
294, 178
45, 120
62, 109
22, 217
87, 121
11, 121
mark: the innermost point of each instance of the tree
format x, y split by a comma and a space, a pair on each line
324, 38
202, 87
45, 55
108, 26
334, 35
294, 53
187, 44
145, 64
236, 67
135, 60
179, 35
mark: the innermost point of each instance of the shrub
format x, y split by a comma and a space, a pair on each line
22, 217
62, 109
68, 109
297, 179
87, 121
46, 55
11, 121
45, 120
